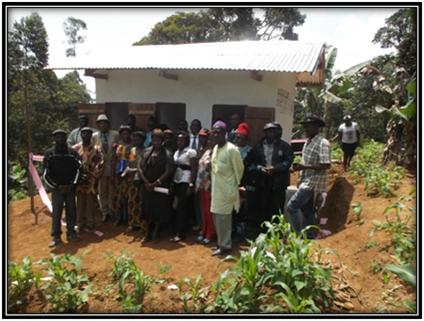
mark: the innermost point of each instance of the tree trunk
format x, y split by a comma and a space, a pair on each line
409, 158
393, 145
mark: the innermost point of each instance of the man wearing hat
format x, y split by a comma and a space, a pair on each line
316, 160
106, 139
348, 134
61, 171
75, 135
92, 167
227, 171
273, 158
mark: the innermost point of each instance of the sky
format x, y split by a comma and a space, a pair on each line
350, 30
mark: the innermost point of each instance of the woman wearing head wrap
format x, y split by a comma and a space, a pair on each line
155, 171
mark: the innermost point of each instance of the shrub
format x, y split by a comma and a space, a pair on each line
20, 278
16, 181
378, 180
68, 287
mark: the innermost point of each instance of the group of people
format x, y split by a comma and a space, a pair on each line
207, 180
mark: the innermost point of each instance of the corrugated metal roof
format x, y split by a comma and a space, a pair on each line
277, 56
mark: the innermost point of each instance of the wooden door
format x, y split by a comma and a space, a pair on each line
92, 111
117, 113
170, 114
224, 112
256, 118
142, 112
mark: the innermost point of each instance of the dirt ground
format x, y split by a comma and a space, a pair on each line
349, 257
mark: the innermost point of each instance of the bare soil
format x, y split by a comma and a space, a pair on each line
350, 258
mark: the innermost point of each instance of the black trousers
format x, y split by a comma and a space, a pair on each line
58, 200
271, 200
181, 218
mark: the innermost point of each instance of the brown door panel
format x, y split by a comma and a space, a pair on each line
92, 111
256, 118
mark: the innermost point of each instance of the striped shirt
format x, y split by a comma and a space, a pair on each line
315, 151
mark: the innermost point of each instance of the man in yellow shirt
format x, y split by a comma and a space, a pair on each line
227, 171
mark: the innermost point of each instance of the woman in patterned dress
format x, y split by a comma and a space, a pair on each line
134, 190
122, 153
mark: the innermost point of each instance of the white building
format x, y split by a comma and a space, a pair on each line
206, 81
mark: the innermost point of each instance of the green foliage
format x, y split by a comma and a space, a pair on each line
133, 284
194, 300
72, 28
50, 102
336, 152
20, 277
68, 287
402, 233
225, 24
376, 266
164, 268
406, 272
371, 244
379, 180
400, 32
16, 181
357, 210
276, 274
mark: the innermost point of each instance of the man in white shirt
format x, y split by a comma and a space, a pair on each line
348, 134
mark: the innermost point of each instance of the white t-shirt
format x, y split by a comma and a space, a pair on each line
349, 133
183, 158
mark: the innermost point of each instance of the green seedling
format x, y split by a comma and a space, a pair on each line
68, 287
376, 266
20, 278
371, 244
164, 268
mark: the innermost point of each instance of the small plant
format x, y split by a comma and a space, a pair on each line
68, 287
408, 274
276, 273
371, 244
402, 234
120, 264
379, 180
196, 295
164, 268
16, 181
133, 284
20, 278
386, 277
357, 211
376, 266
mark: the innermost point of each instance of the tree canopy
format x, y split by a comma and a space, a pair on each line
72, 28
226, 24
400, 32
51, 101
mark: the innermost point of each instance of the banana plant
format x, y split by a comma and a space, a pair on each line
401, 129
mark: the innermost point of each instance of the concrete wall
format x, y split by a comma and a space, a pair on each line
199, 90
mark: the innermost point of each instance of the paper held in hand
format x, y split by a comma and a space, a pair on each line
161, 190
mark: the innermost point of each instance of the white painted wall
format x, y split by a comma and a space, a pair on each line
199, 90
